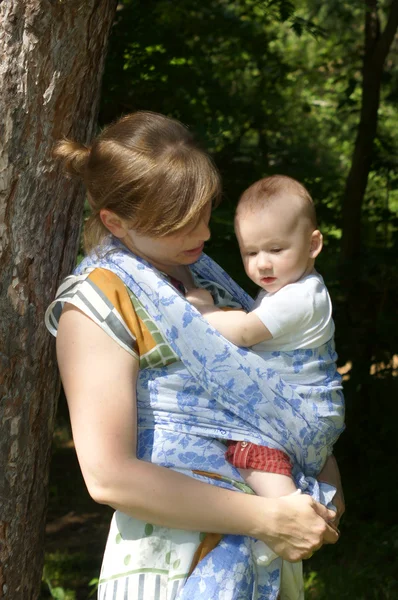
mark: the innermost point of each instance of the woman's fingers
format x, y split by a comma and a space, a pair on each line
322, 511
339, 503
331, 534
302, 528
331, 474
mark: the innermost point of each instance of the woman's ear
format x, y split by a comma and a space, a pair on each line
113, 223
316, 243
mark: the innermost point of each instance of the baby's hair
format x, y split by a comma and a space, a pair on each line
148, 170
273, 188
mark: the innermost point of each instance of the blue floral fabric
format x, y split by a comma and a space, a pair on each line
220, 392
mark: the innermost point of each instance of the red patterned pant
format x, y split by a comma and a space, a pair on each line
246, 455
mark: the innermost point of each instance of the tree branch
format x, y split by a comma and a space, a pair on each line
384, 43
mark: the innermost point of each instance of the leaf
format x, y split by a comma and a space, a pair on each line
58, 593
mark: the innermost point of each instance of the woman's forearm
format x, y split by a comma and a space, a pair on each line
293, 526
165, 497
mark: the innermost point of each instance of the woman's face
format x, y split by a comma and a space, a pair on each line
181, 248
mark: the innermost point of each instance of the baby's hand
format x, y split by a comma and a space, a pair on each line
199, 297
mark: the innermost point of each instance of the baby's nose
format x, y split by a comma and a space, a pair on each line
264, 262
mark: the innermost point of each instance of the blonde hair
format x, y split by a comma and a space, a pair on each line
271, 188
147, 169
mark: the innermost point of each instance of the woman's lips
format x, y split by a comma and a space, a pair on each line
195, 251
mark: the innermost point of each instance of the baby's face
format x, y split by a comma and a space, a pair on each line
277, 246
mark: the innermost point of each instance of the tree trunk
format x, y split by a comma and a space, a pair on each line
377, 46
363, 300
52, 54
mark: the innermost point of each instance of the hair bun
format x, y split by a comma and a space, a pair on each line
74, 156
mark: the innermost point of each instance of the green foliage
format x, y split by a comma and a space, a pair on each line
56, 570
220, 67
265, 85
65, 575
94, 585
273, 87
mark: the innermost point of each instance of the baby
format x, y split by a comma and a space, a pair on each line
276, 228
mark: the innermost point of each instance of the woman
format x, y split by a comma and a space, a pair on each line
122, 324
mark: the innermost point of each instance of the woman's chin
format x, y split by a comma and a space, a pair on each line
192, 256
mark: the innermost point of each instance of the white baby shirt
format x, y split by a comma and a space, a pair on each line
298, 316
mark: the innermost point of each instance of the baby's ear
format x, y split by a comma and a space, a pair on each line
316, 243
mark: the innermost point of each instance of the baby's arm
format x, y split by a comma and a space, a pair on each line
240, 328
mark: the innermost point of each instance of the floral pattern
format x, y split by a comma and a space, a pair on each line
217, 392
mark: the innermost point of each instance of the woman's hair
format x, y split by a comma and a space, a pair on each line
147, 169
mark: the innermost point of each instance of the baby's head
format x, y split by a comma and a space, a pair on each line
275, 223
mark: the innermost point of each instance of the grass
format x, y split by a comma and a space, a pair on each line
362, 566
77, 527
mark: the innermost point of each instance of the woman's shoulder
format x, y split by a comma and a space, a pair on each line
103, 297
113, 292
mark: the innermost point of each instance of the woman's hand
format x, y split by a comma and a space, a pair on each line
331, 474
299, 528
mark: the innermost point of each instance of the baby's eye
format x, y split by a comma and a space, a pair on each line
276, 250
252, 253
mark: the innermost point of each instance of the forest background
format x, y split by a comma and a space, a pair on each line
275, 87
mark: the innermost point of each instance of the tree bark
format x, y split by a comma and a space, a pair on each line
377, 46
52, 54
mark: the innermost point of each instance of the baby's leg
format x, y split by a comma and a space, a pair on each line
266, 470
257, 465
268, 485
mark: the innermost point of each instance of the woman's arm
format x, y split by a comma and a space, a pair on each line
99, 379
237, 326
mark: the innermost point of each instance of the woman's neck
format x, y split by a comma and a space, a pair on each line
181, 273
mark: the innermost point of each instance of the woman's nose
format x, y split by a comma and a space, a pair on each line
203, 230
